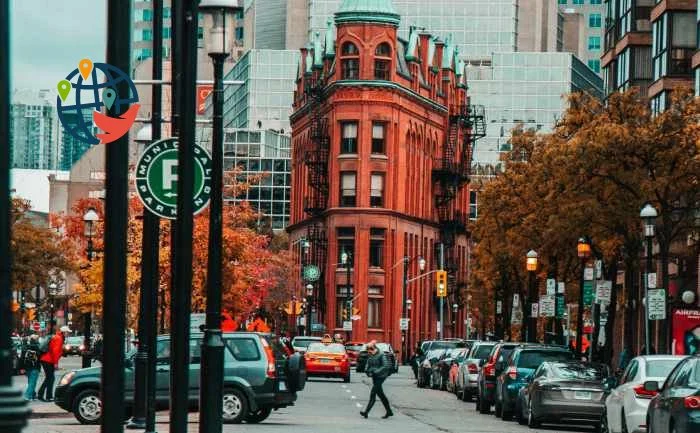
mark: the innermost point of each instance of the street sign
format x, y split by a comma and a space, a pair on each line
156, 178
588, 274
403, 324
587, 292
651, 280
318, 327
534, 310
347, 325
516, 317
311, 273
551, 286
355, 317
603, 291
547, 306
36, 326
197, 320
499, 307
599, 269
561, 287
561, 306
42, 324
516, 300
656, 304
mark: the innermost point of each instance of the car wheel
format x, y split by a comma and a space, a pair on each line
295, 370
346, 379
467, 395
483, 406
532, 422
235, 406
497, 409
519, 412
430, 381
259, 416
506, 415
87, 407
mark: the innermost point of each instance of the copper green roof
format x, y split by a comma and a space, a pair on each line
367, 11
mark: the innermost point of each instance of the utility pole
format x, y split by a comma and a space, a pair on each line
441, 301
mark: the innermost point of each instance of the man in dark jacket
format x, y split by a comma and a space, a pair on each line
378, 368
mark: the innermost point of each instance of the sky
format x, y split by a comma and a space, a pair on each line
49, 37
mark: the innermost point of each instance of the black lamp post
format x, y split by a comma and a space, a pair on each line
405, 305
219, 26
346, 260
309, 303
455, 309
648, 214
52, 306
90, 220
531, 266
583, 251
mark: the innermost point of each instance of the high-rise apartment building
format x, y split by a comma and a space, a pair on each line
650, 46
34, 130
265, 25
583, 27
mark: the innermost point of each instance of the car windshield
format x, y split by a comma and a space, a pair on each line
578, 371
384, 347
482, 351
660, 367
435, 353
533, 358
354, 347
74, 340
304, 342
326, 348
505, 353
443, 345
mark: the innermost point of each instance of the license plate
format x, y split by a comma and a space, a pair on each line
324, 361
582, 395
283, 386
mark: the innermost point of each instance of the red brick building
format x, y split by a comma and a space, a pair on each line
382, 136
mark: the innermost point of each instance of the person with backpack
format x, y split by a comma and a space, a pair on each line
378, 368
49, 363
31, 365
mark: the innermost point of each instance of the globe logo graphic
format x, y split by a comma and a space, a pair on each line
83, 94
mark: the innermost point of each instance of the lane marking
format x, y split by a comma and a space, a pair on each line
358, 405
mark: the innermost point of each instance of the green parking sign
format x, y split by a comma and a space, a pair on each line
156, 178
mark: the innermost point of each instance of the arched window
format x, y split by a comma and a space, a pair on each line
350, 62
382, 62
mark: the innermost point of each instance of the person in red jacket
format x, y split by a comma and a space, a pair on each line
49, 363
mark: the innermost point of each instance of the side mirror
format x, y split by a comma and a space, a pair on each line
651, 386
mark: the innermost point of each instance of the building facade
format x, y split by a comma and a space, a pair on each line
382, 134
584, 24
34, 130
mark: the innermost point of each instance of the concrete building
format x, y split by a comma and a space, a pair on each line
265, 25
372, 114
85, 180
34, 130
584, 22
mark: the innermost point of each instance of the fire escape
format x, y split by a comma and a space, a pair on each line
316, 153
450, 173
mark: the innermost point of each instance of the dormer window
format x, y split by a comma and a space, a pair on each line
382, 62
350, 62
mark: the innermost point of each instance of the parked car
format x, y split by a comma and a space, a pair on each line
353, 349
441, 369
458, 359
486, 379
522, 362
386, 349
73, 346
563, 393
301, 343
258, 378
627, 403
676, 407
425, 372
327, 360
468, 373
428, 345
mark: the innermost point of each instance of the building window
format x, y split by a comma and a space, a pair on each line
376, 193
562, 2
348, 143
376, 248
166, 12
382, 62
594, 64
147, 15
374, 306
350, 62
166, 32
348, 192
342, 296
596, 2
578, 2
147, 35
473, 205
346, 244
594, 20
594, 42
379, 137
239, 33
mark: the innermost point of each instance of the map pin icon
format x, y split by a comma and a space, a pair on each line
108, 97
63, 87
85, 67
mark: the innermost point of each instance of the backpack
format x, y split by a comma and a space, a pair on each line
31, 359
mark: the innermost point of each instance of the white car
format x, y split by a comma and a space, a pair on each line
300, 344
626, 405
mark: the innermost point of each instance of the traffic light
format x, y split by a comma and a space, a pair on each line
31, 314
441, 283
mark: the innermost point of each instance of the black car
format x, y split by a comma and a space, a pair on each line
385, 348
522, 362
492, 368
258, 378
441, 369
74, 346
425, 370
676, 407
563, 393
428, 345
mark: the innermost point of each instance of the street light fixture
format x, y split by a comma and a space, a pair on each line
531, 266
405, 302
309, 302
218, 39
455, 308
90, 219
346, 260
583, 251
648, 215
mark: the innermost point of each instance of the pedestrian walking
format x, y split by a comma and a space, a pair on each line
378, 368
49, 363
31, 365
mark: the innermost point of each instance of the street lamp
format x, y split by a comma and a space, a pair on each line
455, 308
531, 266
583, 251
648, 215
52, 293
404, 303
218, 39
309, 302
346, 260
90, 219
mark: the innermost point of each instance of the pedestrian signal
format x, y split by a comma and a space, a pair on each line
441, 283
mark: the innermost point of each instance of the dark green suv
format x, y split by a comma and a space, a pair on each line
258, 377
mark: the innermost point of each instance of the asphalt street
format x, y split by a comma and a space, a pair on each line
330, 406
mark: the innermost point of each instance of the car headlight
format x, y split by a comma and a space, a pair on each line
67, 347
82, 347
67, 378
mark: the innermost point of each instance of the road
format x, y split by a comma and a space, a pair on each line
330, 406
